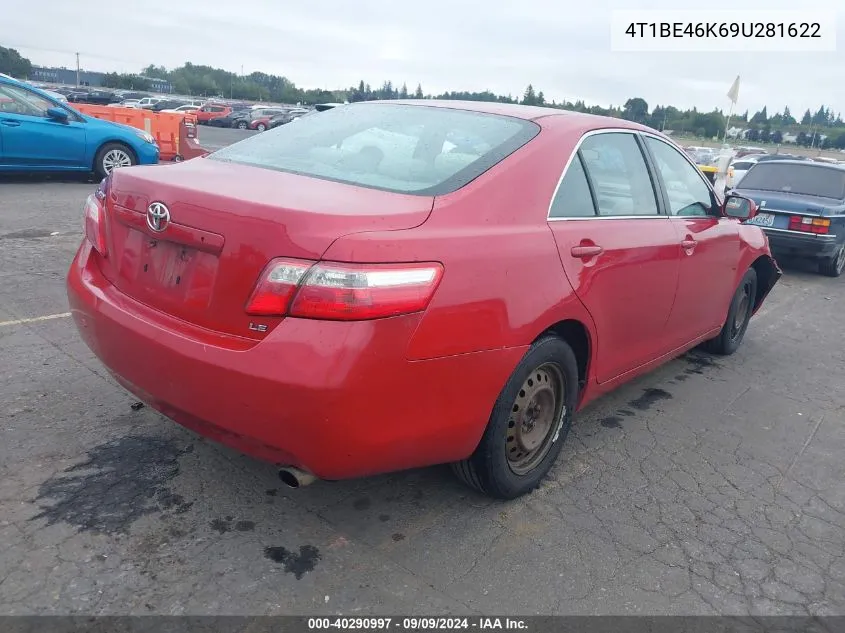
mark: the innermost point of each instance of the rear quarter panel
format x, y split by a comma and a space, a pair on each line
503, 283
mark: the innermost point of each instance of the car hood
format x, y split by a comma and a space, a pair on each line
799, 203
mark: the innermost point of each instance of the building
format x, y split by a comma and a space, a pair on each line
66, 76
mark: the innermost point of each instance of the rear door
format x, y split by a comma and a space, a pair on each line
618, 249
710, 246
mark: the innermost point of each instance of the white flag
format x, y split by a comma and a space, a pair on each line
733, 93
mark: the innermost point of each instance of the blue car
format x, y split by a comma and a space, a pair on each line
801, 209
40, 133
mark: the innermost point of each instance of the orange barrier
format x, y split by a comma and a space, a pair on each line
174, 132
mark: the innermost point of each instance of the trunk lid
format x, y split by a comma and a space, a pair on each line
226, 222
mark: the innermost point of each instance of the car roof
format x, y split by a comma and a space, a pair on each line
528, 113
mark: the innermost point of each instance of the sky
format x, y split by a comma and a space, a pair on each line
562, 47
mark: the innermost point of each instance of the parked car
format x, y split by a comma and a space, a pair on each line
212, 111
166, 104
286, 117
93, 97
192, 109
260, 123
802, 209
741, 167
40, 133
229, 119
148, 102
128, 103
344, 309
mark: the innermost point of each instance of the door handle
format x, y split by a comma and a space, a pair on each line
586, 251
688, 245
10, 123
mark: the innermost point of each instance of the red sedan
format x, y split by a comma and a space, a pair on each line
395, 285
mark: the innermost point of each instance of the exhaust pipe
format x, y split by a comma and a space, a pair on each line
296, 478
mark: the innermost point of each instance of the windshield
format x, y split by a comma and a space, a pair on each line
811, 180
407, 149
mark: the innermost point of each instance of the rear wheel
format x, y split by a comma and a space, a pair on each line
111, 156
260, 127
528, 425
833, 266
739, 314
241, 125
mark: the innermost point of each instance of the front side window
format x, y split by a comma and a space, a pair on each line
688, 194
618, 172
19, 101
421, 150
573, 198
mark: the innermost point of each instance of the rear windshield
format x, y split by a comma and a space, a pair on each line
811, 180
402, 148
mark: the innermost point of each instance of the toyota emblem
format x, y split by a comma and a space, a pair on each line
158, 217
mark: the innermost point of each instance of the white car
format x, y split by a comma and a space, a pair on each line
740, 167
183, 109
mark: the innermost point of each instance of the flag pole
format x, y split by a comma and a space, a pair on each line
728, 123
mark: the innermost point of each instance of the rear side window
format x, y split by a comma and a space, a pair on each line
742, 165
618, 172
809, 179
407, 149
573, 198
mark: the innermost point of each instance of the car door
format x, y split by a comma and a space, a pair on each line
618, 249
31, 138
710, 245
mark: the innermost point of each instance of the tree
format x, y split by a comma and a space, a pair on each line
807, 119
418, 94
820, 117
635, 109
403, 93
761, 117
753, 135
777, 137
541, 98
530, 98
802, 139
788, 119
12, 63
765, 135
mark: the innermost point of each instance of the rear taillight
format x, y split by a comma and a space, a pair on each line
806, 224
94, 222
343, 292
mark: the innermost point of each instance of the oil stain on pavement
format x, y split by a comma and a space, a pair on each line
120, 482
296, 564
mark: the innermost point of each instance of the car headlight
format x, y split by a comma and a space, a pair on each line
149, 138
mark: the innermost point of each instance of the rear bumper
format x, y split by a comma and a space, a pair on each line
337, 399
786, 242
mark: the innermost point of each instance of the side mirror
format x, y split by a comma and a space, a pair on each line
57, 114
739, 207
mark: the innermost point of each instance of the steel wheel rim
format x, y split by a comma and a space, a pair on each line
742, 311
535, 418
115, 158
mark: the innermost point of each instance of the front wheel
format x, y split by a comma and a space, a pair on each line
111, 156
833, 266
528, 425
739, 314
241, 125
260, 127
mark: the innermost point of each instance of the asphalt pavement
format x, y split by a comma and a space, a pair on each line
710, 486
212, 138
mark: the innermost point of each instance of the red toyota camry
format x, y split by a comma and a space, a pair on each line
392, 285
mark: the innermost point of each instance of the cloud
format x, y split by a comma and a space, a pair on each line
560, 46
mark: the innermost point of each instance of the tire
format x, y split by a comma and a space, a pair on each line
112, 155
496, 468
241, 125
739, 315
260, 127
833, 266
